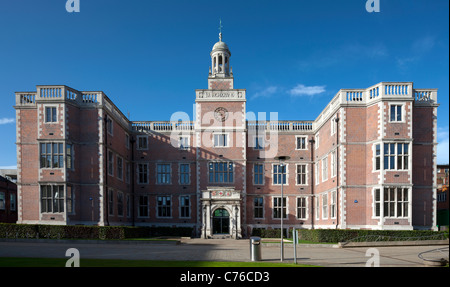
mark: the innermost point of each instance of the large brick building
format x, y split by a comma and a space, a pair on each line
368, 161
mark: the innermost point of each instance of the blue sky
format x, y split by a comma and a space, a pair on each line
149, 56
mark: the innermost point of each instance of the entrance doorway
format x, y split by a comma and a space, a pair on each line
221, 221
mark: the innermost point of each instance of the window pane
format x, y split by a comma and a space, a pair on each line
54, 115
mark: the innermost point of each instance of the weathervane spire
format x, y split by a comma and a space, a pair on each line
220, 30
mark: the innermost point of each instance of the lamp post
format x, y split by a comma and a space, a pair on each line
236, 209
281, 159
204, 221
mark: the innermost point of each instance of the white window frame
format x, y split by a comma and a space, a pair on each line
285, 206
60, 199
325, 168
128, 204
110, 126
317, 138
226, 141
317, 208
147, 171
377, 156
259, 207
305, 207
316, 172
51, 107
127, 172
287, 174
325, 206
120, 195
377, 202
163, 173
2, 200
297, 174
110, 163
111, 201
138, 146
402, 111
395, 202
147, 205
227, 171
333, 125
395, 156
12, 202
383, 204
127, 140
184, 142
165, 206
255, 174
181, 197
181, 173
52, 154
119, 167
333, 164
333, 204
297, 145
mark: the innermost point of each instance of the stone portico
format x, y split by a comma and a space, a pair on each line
221, 209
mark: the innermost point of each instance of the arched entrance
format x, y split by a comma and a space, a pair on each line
221, 221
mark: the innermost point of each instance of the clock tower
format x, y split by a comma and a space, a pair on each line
220, 137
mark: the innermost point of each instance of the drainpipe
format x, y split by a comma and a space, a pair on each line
337, 171
132, 164
106, 171
312, 181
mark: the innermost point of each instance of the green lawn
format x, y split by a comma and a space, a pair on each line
58, 262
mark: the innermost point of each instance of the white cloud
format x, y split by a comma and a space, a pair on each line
266, 93
5, 121
302, 90
419, 48
443, 145
423, 45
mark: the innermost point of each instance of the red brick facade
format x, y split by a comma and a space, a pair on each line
366, 162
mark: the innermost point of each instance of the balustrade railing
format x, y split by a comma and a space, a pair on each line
343, 97
425, 96
25, 99
281, 126
162, 126
57, 93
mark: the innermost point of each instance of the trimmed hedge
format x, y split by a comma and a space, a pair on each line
343, 235
9, 230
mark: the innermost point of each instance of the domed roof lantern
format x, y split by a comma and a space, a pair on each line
220, 57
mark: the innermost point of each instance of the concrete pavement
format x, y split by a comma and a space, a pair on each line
223, 250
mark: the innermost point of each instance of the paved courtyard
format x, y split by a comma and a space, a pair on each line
222, 250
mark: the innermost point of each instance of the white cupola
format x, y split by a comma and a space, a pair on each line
220, 59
